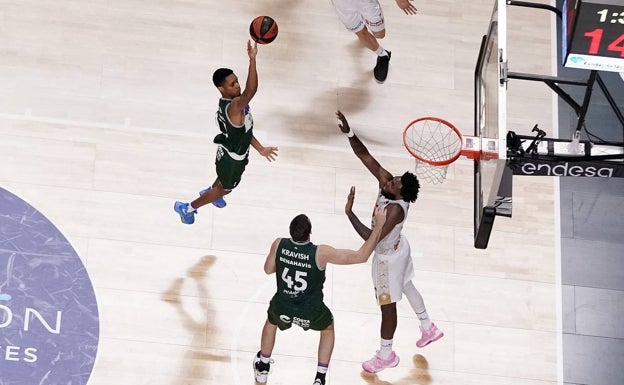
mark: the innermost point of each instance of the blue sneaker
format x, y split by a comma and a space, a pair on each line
186, 216
220, 203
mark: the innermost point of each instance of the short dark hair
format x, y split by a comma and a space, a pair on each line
409, 187
300, 228
218, 77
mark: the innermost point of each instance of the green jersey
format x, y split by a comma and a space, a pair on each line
235, 139
299, 279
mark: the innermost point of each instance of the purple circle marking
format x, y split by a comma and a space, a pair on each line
49, 322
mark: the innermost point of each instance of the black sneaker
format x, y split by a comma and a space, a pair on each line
319, 381
381, 69
261, 369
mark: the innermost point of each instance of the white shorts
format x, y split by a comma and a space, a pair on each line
392, 269
355, 14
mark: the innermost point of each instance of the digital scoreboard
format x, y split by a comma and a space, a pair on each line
593, 36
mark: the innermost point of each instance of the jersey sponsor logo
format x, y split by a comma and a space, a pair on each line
296, 263
285, 318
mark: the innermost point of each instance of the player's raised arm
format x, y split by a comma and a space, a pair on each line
362, 230
328, 254
361, 151
251, 85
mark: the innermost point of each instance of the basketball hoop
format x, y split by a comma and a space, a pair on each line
435, 144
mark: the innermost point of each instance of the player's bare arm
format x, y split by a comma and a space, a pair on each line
362, 153
237, 107
394, 216
328, 254
407, 6
362, 230
269, 263
268, 152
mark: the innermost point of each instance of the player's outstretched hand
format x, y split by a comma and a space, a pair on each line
252, 49
343, 125
269, 152
350, 198
407, 6
380, 216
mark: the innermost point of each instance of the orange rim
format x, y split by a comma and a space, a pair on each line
445, 162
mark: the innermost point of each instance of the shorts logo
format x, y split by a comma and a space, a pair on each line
285, 318
304, 323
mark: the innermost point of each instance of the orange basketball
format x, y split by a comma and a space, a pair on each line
263, 29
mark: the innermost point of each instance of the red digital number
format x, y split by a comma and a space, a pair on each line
595, 36
617, 45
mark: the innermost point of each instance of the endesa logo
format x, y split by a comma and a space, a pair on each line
567, 169
49, 324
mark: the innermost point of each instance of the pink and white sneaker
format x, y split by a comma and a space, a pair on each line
377, 364
429, 336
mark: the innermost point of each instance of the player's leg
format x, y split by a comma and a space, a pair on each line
384, 276
429, 330
262, 361
321, 319
229, 174
365, 19
219, 202
267, 341
385, 357
325, 349
373, 16
213, 194
187, 211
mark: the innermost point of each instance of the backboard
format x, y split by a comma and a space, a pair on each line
492, 183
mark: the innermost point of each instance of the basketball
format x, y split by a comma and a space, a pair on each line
263, 29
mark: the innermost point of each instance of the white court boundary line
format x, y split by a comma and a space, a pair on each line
240, 322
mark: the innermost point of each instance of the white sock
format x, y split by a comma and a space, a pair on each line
265, 359
190, 209
381, 51
418, 304
385, 348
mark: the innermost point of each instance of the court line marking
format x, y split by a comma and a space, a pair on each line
240, 321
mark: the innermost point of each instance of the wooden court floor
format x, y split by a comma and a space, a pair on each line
107, 117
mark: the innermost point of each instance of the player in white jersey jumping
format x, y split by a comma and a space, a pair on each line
392, 268
365, 19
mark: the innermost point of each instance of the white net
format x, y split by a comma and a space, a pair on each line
428, 173
435, 144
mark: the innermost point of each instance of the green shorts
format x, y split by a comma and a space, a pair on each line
229, 171
284, 315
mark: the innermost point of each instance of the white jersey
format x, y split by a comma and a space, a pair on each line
391, 240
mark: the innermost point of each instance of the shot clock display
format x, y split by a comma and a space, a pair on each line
593, 36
